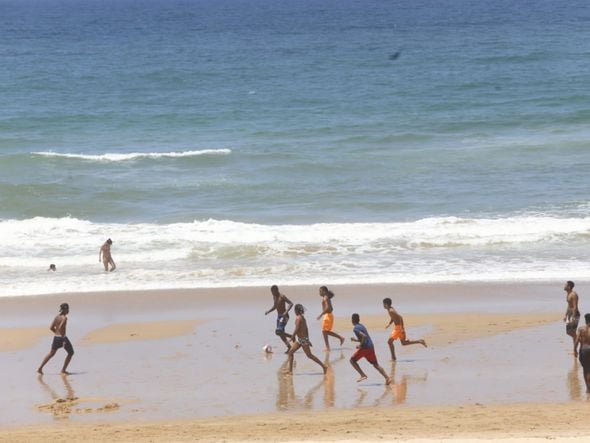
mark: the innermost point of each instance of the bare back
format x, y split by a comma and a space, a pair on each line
59, 325
584, 336
327, 304
395, 317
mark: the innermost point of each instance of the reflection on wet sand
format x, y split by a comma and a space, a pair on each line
287, 398
63, 407
398, 389
573, 382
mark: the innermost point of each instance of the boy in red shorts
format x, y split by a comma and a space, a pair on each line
365, 349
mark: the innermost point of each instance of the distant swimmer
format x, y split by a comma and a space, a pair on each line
300, 339
572, 314
60, 339
398, 329
365, 349
282, 305
328, 316
583, 341
394, 56
104, 256
52, 267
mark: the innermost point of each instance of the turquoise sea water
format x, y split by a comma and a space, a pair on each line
243, 142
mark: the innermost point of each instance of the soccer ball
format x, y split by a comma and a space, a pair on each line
267, 349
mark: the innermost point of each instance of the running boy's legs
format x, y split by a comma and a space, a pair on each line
313, 357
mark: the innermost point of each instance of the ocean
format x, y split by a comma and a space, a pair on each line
230, 142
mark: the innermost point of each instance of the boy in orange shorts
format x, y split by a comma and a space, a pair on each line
398, 329
327, 313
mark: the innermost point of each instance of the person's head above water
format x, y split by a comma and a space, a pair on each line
52, 267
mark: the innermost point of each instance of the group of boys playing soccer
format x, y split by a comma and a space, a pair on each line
300, 336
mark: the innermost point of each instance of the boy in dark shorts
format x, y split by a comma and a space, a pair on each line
58, 327
300, 339
365, 349
282, 305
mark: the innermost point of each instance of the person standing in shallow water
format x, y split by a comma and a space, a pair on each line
572, 314
328, 317
583, 341
104, 256
280, 303
58, 327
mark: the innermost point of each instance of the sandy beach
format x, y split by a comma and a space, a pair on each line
188, 364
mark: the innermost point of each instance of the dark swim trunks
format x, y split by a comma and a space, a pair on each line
585, 359
572, 324
59, 342
281, 323
304, 341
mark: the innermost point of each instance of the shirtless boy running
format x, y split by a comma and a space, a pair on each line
572, 314
328, 317
398, 329
58, 327
300, 339
583, 340
282, 305
104, 256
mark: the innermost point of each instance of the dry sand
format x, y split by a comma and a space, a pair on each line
13, 339
544, 421
449, 328
121, 332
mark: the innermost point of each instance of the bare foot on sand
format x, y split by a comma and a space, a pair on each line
341, 341
364, 377
423, 343
325, 367
39, 371
66, 373
387, 381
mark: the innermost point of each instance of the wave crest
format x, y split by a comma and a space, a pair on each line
117, 157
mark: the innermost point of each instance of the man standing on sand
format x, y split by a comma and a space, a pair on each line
58, 327
107, 259
572, 314
300, 339
583, 339
280, 302
365, 349
327, 313
398, 329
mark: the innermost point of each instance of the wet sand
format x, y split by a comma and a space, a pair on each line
146, 360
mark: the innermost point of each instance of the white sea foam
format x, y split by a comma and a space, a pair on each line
114, 157
226, 253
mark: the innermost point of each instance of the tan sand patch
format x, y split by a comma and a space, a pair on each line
123, 332
15, 339
365, 424
450, 328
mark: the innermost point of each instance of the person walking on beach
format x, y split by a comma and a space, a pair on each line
300, 339
572, 314
58, 327
583, 341
104, 256
365, 349
328, 317
398, 329
282, 305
